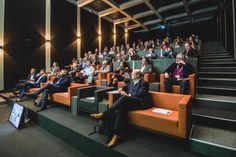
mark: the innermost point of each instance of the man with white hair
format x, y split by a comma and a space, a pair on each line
177, 74
134, 96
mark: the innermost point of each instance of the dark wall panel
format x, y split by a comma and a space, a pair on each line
63, 28
120, 36
89, 31
107, 34
24, 39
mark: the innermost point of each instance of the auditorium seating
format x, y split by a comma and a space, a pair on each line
176, 88
89, 98
63, 97
176, 124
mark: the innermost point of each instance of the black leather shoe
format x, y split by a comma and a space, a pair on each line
41, 109
31, 95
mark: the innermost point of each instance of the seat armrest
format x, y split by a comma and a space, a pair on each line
72, 90
162, 86
184, 116
102, 93
192, 84
112, 97
109, 76
150, 77
86, 92
102, 76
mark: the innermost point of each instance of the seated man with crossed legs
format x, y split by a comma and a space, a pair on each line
60, 84
134, 96
40, 77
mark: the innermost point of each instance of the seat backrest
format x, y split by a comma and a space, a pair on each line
166, 100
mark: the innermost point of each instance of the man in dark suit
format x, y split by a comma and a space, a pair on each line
30, 78
60, 84
189, 51
177, 74
134, 96
40, 77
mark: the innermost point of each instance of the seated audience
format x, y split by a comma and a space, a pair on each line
87, 73
55, 69
134, 96
31, 78
169, 53
104, 69
60, 84
94, 60
145, 66
177, 74
150, 54
72, 72
121, 74
189, 51
133, 55
40, 77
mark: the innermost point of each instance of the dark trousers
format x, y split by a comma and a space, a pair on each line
82, 78
120, 108
27, 86
172, 81
48, 89
17, 87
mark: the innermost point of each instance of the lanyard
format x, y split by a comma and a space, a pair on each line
179, 70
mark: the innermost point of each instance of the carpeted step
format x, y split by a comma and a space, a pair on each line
217, 90
211, 141
216, 81
218, 74
217, 69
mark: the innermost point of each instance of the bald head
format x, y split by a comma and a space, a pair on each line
136, 74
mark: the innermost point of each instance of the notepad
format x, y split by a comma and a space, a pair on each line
162, 111
90, 98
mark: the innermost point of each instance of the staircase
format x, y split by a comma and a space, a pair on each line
214, 110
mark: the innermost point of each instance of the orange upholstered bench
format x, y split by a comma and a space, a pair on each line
176, 88
177, 123
63, 97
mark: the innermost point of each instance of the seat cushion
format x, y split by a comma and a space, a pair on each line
62, 98
148, 119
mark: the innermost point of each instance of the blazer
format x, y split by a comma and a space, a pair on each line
150, 55
147, 69
41, 79
29, 76
63, 82
191, 53
138, 90
187, 69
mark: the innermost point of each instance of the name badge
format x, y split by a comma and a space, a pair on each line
177, 77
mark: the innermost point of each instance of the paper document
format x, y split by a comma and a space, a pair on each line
162, 111
113, 92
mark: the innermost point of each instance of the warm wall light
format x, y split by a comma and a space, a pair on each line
48, 44
47, 37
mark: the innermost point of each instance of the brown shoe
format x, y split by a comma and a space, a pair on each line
97, 116
18, 100
114, 140
12, 96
